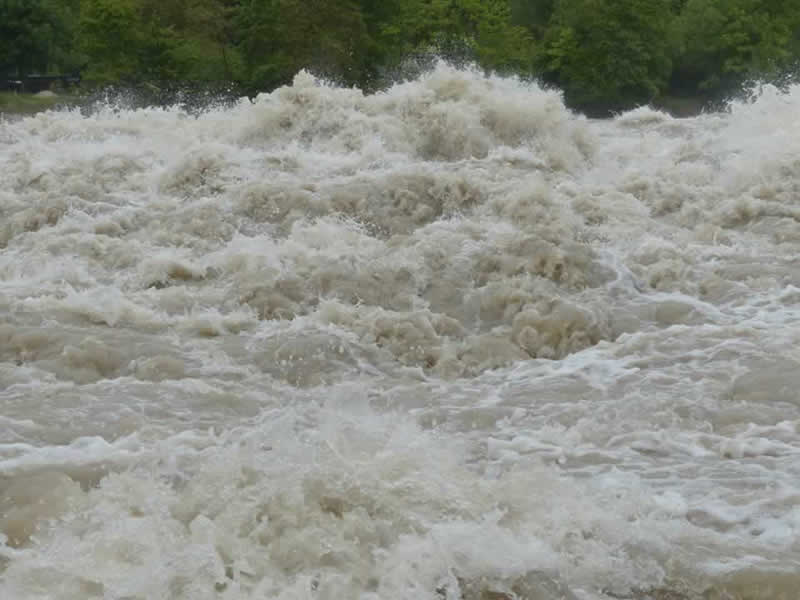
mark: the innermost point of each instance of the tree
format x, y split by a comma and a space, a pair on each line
479, 30
499, 43
207, 40
125, 40
280, 37
724, 42
607, 54
36, 36
534, 15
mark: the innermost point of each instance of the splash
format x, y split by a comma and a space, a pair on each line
448, 340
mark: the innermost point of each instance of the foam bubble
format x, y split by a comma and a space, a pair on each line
446, 340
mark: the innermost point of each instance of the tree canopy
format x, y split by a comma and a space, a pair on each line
607, 51
37, 36
604, 54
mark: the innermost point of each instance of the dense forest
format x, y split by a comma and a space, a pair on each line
603, 53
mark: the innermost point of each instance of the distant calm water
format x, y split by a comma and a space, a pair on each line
450, 341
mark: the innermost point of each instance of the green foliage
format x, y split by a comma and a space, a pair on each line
610, 53
604, 54
534, 15
476, 29
722, 42
204, 59
36, 36
205, 40
499, 44
126, 40
280, 37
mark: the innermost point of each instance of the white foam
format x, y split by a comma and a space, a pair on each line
449, 340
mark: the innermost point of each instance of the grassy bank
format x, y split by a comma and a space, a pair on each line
29, 104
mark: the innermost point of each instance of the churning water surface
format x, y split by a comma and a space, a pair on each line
447, 341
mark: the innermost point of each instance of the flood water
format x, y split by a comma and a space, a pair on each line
448, 341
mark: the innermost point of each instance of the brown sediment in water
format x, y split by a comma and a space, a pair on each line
446, 340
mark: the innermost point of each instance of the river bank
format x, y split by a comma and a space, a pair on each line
20, 104
13, 103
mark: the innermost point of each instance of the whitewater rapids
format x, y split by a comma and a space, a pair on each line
446, 341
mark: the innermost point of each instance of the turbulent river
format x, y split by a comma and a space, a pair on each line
447, 341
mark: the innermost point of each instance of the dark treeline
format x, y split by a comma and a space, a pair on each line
604, 54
